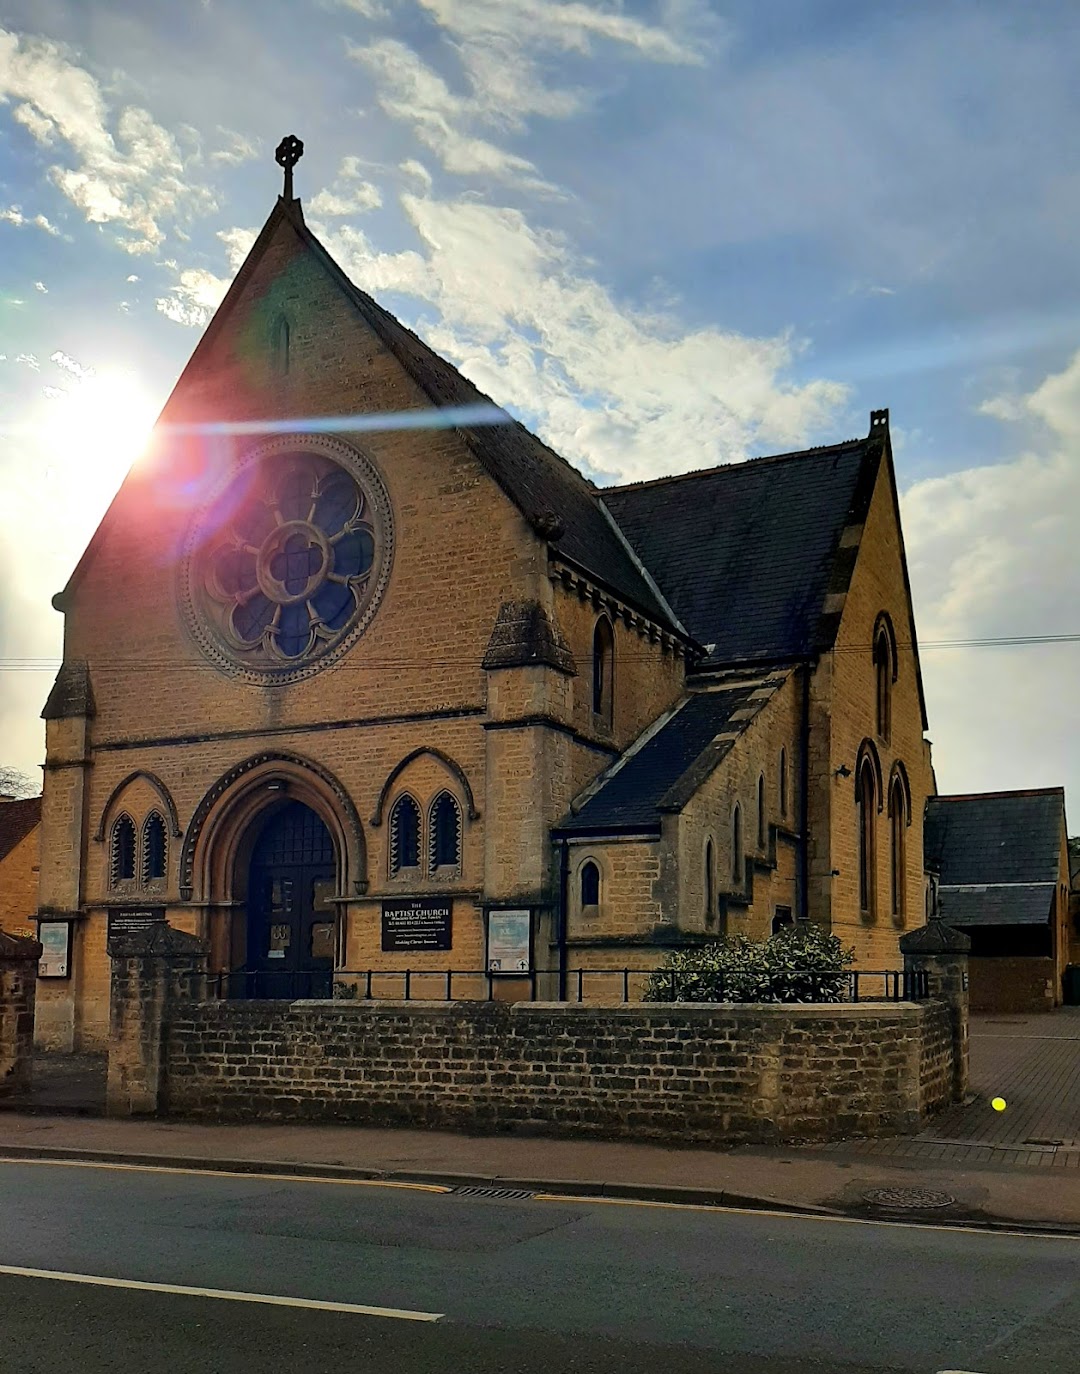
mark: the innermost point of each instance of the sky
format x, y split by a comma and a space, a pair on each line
664, 233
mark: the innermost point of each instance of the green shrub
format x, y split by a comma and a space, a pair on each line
803, 963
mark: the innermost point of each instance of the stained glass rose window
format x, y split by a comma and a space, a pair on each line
289, 561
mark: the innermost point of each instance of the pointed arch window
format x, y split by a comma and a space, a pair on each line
710, 879
781, 787
404, 835
898, 821
761, 828
122, 851
737, 865
444, 832
603, 670
153, 847
867, 806
281, 345
590, 884
885, 668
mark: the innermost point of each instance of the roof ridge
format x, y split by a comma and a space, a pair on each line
1007, 792
734, 465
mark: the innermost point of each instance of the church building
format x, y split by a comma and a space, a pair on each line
361, 678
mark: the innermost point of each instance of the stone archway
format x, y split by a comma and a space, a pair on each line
221, 840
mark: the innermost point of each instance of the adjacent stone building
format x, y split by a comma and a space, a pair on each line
20, 843
344, 693
999, 867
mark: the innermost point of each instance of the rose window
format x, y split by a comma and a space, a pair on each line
293, 555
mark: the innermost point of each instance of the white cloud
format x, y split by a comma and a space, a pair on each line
39, 125
418, 171
412, 91
512, 56
992, 552
194, 298
631, 393
13, 215
237, 244
132, 277
571, 27
134, 181
350, 195
237, 149
367, 9
28, 360
69, 364
40, 286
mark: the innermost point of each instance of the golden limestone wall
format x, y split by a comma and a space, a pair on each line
19, 885
844, 716
745, 900
460, 549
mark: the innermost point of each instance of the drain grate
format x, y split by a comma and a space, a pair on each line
514, 1194
916, 1199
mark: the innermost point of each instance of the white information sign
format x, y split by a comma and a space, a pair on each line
510, 941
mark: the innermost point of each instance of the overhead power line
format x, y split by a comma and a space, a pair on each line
361, 664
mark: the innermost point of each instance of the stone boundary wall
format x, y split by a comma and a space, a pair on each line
937, 1067
677, 1073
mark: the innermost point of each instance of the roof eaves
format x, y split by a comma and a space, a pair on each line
642, 569
714, 753
602, 779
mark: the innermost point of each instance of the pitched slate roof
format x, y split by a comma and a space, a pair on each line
1006, 904
540, 483
535, 478
745, 554
995, 837
666, 765
17, 819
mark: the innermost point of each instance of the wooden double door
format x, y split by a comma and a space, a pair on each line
291, 915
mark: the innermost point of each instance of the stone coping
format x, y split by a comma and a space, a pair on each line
628, 1011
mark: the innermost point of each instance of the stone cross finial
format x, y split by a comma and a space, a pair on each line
289, 152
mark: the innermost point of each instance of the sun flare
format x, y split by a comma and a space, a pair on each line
92, 429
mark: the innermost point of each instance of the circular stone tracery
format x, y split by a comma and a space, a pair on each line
285, 566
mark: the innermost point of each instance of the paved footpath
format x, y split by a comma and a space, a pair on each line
984, 1160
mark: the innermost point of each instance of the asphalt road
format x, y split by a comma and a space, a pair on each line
515, 1285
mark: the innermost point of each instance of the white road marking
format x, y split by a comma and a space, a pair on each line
230, 1173
271, 1299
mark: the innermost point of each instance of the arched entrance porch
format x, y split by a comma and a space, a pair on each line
273, 855
291, 918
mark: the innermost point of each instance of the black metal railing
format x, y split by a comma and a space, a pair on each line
580, 984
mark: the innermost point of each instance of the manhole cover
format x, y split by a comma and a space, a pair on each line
513, 1193
914, 1198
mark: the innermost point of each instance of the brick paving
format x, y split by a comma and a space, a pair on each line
1033, 1062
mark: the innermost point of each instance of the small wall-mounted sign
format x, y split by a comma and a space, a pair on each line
129, 920
417, 923
55, 938
509, 941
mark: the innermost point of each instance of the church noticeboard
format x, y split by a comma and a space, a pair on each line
509, 941
55, 938
416, 923
127, 922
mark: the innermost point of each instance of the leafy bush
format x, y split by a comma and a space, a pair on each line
802, 963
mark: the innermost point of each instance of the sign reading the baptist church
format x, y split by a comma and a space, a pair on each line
509, 948
55, 938
133, 920
416, 923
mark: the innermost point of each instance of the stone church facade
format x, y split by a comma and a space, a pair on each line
343, 697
